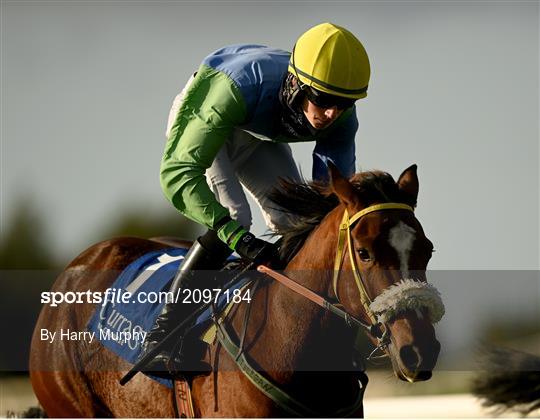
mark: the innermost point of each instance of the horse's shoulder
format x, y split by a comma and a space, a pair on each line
115, 253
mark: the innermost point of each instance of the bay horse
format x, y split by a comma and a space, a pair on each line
299, 346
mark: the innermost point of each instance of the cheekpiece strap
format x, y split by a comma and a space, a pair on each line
344, 237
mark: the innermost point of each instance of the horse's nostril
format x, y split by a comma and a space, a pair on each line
409, 357
423, 375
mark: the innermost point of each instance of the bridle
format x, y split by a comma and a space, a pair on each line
377, 329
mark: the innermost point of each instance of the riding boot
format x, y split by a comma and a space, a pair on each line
207, 253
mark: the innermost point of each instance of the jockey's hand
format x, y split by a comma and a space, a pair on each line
256, 250
239, 239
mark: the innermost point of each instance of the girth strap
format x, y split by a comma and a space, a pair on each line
183, 401
276, 394
280, 397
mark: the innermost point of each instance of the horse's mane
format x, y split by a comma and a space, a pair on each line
308, 202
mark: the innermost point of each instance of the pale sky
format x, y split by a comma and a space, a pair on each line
86, 89
87, 86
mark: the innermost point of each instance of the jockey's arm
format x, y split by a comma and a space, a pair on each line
212, 107
339, 147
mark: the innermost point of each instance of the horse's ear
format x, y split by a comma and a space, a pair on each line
342, 187
408, 184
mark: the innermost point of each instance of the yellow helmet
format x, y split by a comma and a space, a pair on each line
331, 59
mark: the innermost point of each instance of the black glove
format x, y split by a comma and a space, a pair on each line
256, 250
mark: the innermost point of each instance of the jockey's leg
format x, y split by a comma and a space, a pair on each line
207, 253
260, 174
175, 107
224, 183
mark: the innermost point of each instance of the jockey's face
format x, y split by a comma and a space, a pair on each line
318, 117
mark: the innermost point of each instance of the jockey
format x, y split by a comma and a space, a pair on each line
231, 125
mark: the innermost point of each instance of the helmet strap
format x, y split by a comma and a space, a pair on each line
292, 121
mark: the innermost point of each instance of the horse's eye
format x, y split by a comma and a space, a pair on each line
364, 254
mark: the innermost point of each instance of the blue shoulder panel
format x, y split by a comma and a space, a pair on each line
257, 71
337, 146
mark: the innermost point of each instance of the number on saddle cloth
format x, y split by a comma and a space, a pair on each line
121, 323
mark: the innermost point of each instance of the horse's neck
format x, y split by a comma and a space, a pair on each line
288, 329
313, 264
312, 267
300, 346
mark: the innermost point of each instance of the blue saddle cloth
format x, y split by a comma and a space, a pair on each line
122, 326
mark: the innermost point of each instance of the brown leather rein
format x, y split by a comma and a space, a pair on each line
314, 297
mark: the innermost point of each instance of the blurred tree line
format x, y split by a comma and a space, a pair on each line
29, 266
24, 243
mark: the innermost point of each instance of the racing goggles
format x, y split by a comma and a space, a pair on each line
325, 100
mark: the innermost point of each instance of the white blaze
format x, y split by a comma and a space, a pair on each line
401, 238
407, 294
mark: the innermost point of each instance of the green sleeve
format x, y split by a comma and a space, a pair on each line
212, 107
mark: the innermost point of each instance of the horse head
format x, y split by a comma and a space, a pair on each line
382, 280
